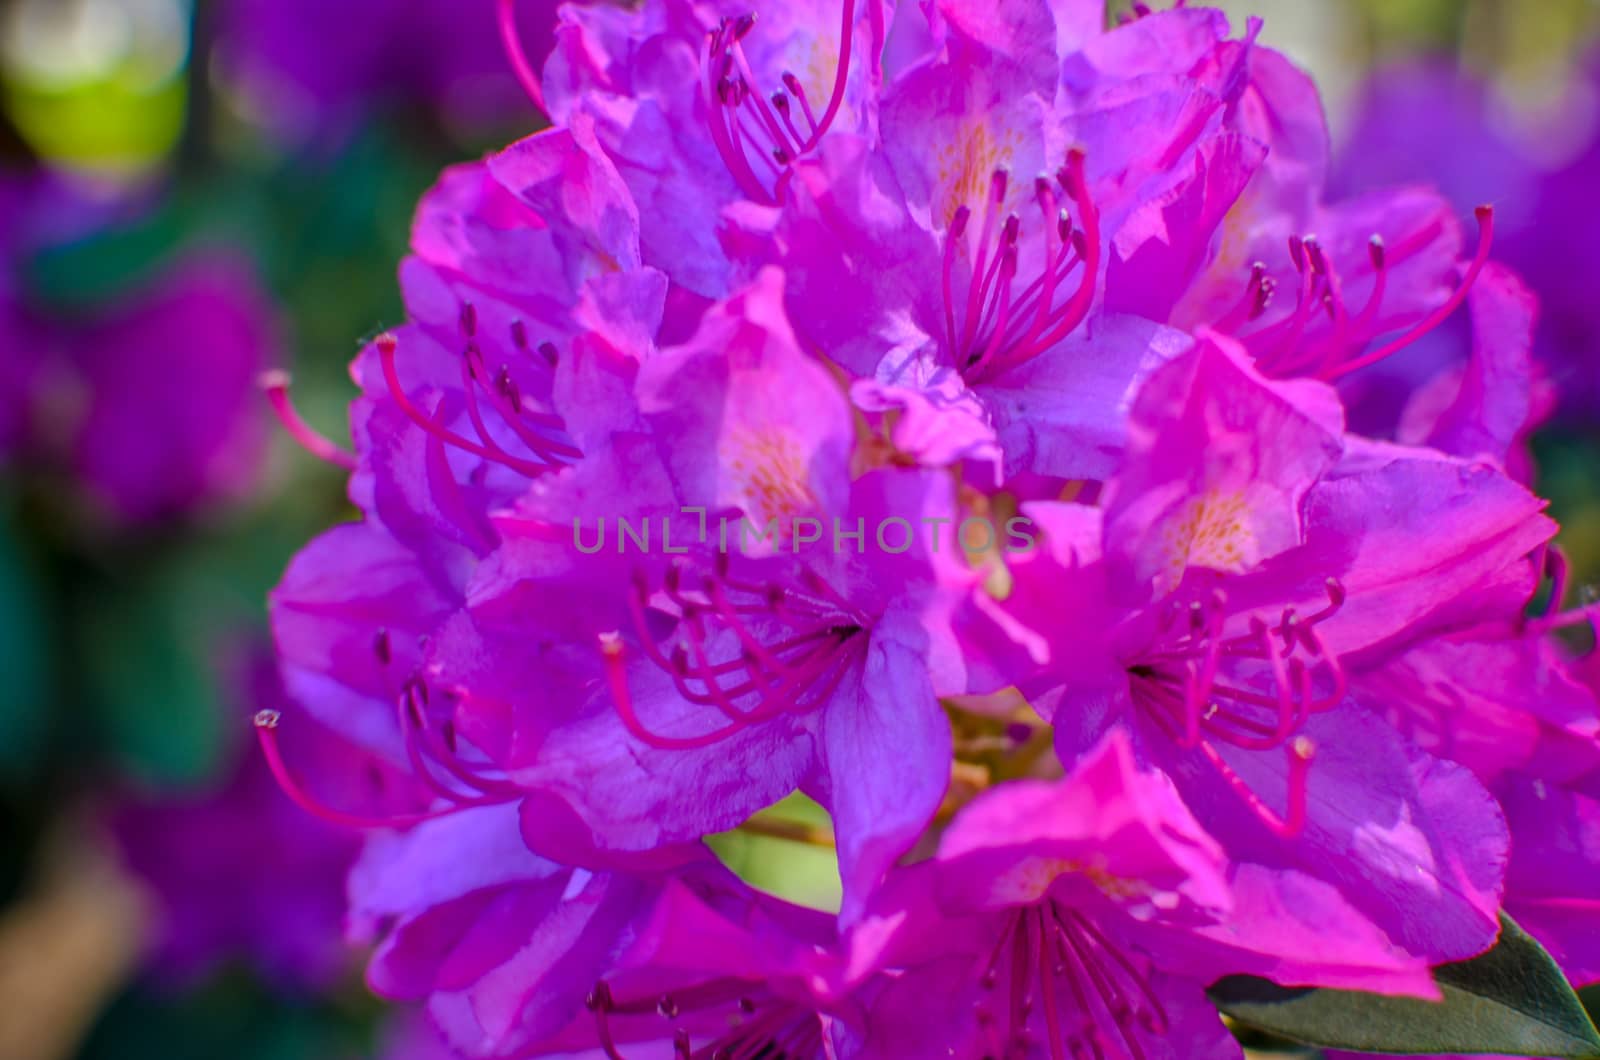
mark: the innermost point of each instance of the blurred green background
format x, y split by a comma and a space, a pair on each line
113, 634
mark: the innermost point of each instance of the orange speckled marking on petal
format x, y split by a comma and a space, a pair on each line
1031, 881
1212, 531
967, 165
771, 473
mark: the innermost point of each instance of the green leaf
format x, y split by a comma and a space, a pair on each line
1512, 1000
785, 850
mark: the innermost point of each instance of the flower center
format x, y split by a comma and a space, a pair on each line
747, 651
445, 775
1053, 970
1009, 314
492, 403
1297, 346
431, 745
759, 1024
1181, 684
760, 137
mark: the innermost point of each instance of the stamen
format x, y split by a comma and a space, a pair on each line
1000, 327
1179, 684
977, 291
1485, 216
1283, 338
420, 741
1252, 304
1279, 349
485, 448
746, 124
797, 90
600, 1003
1047, 972
1587, 614
759, 1024
266, 725
448, 494
1059, 955
797, 673
958, 228
511, 40
276, 386
847, 23
1288, 826
617, 680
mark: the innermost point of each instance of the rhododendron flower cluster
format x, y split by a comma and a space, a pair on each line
942, 411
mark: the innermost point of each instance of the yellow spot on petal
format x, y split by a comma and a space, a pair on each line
1211, 530
770, 474
817, 74
1031, 881
1239, 227
966, 166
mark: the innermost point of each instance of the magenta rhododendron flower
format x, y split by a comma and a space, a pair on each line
1230, 578
929, 436
1087, 915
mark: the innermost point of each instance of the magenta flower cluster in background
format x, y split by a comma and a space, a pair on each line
149, 401
237, 873
1429, 120
310, 77
1270, 696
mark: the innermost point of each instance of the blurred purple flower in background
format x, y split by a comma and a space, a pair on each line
238, 873
308, 76
151, 402
1433, 121
148, 399
24, 194
171, 414
18, 372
